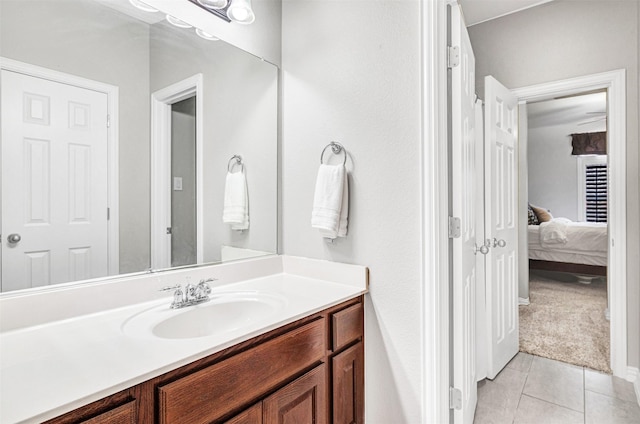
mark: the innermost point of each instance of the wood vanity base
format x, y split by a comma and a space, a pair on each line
308, 372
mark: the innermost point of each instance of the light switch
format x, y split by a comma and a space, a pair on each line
177, 183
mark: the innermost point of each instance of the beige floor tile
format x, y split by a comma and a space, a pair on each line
536, 411
521, 362
609, 385
498, 399
556, 382
601, 409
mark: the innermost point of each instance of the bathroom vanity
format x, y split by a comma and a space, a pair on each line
301, 361
311, 370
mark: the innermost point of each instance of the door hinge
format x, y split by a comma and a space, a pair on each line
453, 56
108, 121
455, 398
108, 214
168, 230
454, 227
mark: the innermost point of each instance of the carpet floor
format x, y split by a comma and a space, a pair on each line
565, 321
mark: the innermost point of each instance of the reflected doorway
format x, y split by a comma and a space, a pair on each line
176, 174
183, 183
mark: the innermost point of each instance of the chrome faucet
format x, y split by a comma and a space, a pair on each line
191, 295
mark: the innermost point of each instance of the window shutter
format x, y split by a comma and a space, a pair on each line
596, 192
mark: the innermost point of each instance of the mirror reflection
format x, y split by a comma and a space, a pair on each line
117, 134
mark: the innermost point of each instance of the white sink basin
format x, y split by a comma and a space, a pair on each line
225, 312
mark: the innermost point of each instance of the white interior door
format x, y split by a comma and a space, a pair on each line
464, 205
54, 185
501, 196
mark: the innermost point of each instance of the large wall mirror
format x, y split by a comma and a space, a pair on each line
129, 144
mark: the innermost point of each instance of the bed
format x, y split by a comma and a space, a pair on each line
567, 246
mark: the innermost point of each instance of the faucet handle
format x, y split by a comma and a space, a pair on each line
169, 288
178, 300
204, 289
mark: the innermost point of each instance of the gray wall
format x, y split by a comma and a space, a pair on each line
565, 39
183, 166
96, 43
240, 117
553, 172
351, 73
523, 197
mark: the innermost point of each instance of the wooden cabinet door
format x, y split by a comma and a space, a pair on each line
303, 401
348, 385
252, 415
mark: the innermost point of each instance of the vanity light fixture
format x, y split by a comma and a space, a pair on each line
241, 12
206, 35
214, 4
142, 6
177, 22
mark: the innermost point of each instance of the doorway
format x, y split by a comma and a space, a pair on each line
614, 84
168, 184
183, 180
567, 231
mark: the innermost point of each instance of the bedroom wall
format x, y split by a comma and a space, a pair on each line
553, 172
553, 179
564, 39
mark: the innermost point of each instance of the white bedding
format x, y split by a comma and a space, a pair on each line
561, 240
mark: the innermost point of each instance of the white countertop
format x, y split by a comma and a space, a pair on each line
55, 367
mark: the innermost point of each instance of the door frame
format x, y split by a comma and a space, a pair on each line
435, 256
435, 269
615, 84
113, 199
161, 102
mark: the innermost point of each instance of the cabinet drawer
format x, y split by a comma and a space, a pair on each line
209, 394
124, 414
347, 326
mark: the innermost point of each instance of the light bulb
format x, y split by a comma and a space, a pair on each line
206, 35
177, 22
142, 6
214, 4
241, 12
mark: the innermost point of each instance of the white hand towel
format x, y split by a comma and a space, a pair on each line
331, 201
236, 201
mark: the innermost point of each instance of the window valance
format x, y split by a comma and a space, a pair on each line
589, 143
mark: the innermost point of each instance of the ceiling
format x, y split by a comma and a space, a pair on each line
124, 6
586, 113
478, 11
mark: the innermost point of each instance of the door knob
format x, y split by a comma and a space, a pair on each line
484, 249
499, 243
14, 238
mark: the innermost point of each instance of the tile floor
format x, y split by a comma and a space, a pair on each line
537, 390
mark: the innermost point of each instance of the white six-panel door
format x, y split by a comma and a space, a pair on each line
464, 205
54, 185
501, 194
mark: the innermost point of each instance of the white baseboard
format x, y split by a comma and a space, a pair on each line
633, 375
636, 385
523, 301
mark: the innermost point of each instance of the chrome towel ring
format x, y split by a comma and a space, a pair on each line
238, 161
336, 148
